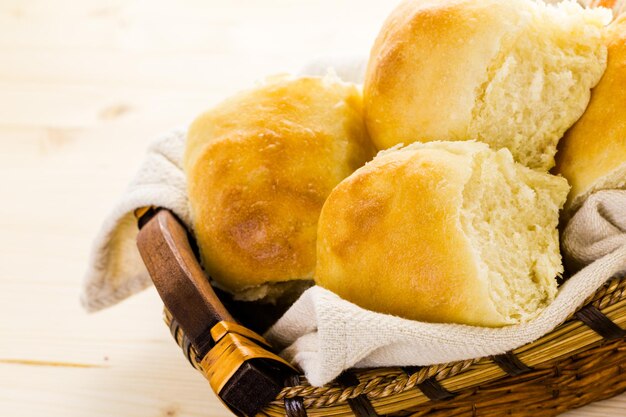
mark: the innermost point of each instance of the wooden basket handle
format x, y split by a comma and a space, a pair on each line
238, 363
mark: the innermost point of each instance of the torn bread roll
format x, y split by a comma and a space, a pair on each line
592, 155
259, 168
514, 74
444, 232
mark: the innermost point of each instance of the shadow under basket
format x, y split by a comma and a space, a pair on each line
581, 361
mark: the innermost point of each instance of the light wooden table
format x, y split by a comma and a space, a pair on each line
84, 86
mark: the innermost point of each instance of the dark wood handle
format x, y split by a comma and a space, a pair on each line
180, 280
257, 374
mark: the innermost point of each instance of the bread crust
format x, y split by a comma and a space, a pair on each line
592, 154
259, 168
390, 240
413, 88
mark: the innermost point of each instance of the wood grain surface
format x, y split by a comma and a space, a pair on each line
84, 86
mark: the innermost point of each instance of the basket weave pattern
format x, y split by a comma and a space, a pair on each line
568, 368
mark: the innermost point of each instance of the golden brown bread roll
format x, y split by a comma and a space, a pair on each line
443, 232
260, 166
592, 155
510, 73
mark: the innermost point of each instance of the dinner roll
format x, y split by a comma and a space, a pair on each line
511, 73
592, 155
444, 232
259, 167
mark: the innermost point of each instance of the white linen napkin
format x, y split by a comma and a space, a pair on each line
324, 334
115, 269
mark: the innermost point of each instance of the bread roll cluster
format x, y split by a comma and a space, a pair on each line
460, 225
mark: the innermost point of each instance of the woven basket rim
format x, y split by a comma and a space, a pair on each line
381, 383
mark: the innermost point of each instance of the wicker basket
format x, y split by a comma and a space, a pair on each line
581, 361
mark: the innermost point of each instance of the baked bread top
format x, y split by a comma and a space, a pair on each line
260, 166
514, 74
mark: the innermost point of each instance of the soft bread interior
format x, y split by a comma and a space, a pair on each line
539, 83
510, 214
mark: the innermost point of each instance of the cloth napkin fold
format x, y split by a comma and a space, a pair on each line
115, 269
597, 229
